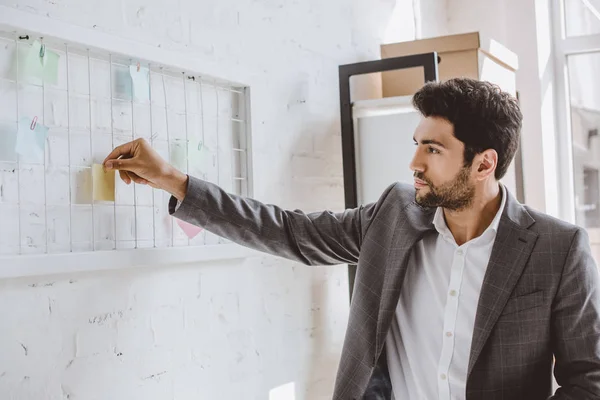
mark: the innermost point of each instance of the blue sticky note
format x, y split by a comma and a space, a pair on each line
31, 143
141, 82
8, 141
122, 84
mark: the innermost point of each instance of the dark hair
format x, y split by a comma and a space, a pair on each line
484, 117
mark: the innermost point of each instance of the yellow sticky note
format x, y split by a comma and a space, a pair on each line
104, 183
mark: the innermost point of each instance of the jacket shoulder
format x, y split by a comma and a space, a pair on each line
399, 194
548, 224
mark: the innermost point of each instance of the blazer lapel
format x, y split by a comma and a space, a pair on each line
412, 225
511, 250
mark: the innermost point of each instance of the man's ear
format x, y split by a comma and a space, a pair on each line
486, 162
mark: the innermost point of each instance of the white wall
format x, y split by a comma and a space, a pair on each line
418, 19
431, 18
229, 330
524, 27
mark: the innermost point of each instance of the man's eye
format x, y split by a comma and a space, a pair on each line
433, 150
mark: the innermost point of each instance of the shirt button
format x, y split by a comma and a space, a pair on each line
443, 377
453, 293
459, 252
449, 334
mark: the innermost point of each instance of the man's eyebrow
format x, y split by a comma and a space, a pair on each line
430, 141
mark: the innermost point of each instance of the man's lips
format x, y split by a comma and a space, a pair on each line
419, 183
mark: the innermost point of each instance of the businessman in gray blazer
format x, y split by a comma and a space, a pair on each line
461, 292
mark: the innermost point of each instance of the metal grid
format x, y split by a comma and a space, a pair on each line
48, 207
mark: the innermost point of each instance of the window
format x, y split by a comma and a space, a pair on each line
582, 17
577, 53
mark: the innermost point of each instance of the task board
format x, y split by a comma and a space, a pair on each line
92, 104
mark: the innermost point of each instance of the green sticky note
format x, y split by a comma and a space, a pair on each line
31, 63
178, 156
196, 151
192, 156
50, 66
36, 66
199, 155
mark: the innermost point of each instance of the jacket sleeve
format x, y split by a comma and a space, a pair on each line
576, 325
320, 238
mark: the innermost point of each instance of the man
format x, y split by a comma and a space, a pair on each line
461, 292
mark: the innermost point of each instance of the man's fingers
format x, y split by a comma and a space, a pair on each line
136, 178
122, 150
128, 177
127, 164
124, 177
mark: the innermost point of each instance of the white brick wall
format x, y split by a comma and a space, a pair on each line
228, 330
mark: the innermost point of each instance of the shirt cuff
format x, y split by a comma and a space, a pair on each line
175, 203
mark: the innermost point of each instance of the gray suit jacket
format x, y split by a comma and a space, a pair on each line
540, 297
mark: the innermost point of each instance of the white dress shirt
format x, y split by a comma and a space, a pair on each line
429, 341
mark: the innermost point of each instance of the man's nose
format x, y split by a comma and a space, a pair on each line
416, 164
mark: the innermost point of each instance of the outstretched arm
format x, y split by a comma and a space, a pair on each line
320, 238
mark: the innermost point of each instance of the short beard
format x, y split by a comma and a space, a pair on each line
455, 195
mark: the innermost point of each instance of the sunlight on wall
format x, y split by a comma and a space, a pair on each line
549, 145
401, 25
284, 392
544, 36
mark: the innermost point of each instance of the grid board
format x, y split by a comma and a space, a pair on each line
47, 207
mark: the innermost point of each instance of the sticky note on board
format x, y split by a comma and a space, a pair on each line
197, 149
178, 156
104, 183
30, 64
50, 63
199, 157
197, 153
141, 82
40, 64
191, 231
193, 155
122, 84
181, 156
31, 139
8, 142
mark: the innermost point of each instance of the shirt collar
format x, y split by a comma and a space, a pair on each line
440, 222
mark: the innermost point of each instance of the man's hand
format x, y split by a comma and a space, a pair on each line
136, 161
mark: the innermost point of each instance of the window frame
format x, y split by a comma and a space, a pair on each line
565, 46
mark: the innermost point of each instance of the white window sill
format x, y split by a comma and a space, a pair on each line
70, 263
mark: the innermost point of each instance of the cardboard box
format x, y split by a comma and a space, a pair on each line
465, 55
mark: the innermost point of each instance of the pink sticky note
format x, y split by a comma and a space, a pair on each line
190, 230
